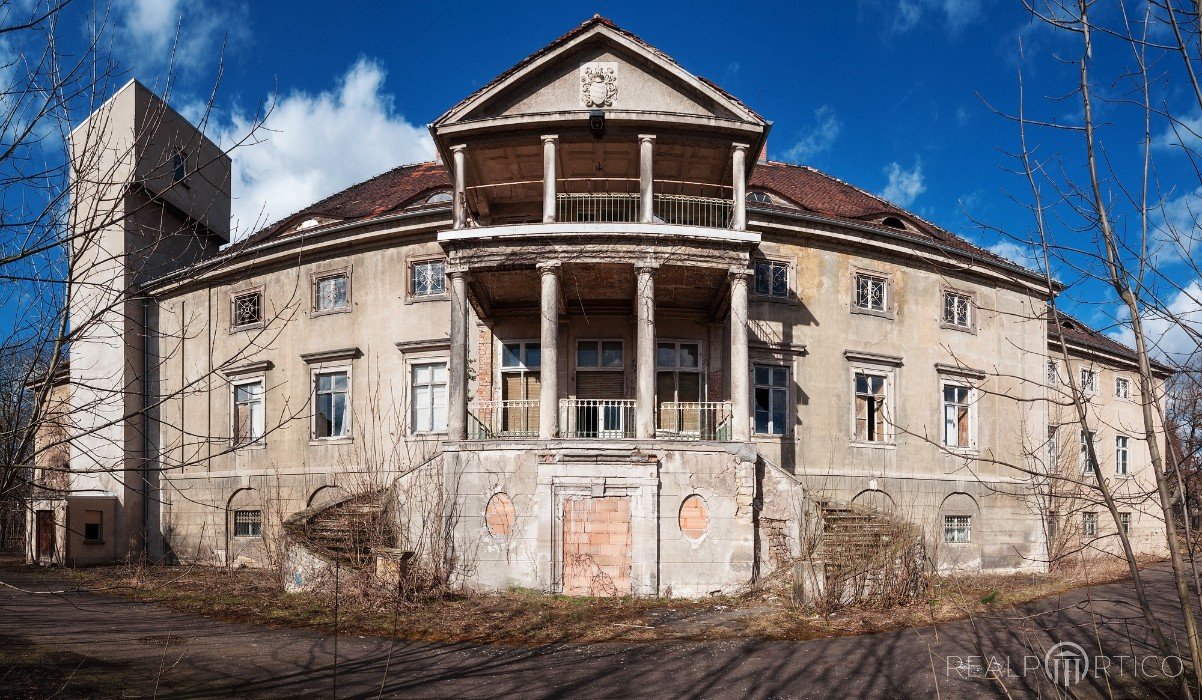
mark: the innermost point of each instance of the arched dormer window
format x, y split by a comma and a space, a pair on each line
307, 223
441, 197
1068, 325
894, 222
758, 197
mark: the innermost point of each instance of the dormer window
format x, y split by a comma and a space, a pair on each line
758, 197
442, 197
307, 223
894, 222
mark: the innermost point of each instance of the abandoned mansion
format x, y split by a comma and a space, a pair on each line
601, 345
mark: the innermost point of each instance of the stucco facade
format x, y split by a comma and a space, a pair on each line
606, 332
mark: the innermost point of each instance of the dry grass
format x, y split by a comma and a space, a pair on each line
530, 617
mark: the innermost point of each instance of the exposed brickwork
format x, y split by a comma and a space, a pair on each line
499, 516
694, 517
596, 546
484, 363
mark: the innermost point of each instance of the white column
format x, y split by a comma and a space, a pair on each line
457, 369
738, 174
740, 369
549, 144
548, 395
644, 407
459, 154
646, 179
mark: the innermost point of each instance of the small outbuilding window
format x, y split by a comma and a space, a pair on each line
93, 526
248, 523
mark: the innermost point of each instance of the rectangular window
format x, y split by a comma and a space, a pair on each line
1053, 373
957, 310
771, 396
521, 386
599, 354
957, 415
1053, 451
870, 292
957, 529
248, 523
1089, 381
1053, 527
248, 413
1089, 524
872, 404
1121, 462
1086, 465
246, 309
430, 397
429, 278
771, 279
332, 399
93, 526
678, 382
1125, 523
179, 170
1122, 387
331, 293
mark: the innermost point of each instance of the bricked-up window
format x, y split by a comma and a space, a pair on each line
332, 400
1089, 381
694, 518
1121, 455
247, 309
1089, 524
248, 413
1122, 388
1125, 523
93, 526
499, 516
771, 399
429, 388
958, 407
429, 278
871, 292
331, 292
248, 523
771, 279
957, 529
957, 310
872, 403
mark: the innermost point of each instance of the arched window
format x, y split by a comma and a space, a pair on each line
893, 222
758, 197
439, 197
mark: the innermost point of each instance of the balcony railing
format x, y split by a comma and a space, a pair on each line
596, 418
693, 420
501, 419
686, 210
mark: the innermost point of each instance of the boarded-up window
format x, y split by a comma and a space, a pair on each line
871, 407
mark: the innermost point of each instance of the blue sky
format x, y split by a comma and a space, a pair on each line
886, 94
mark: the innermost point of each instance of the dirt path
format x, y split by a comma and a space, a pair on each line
90, 645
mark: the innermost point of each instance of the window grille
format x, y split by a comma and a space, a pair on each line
870, 292
248, 309
429, 278
957, 310
248, 523
957, 529
771, 279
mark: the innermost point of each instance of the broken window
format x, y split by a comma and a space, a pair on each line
331, 292
771, 399
871, 407
957, 415
248, 413
93, 526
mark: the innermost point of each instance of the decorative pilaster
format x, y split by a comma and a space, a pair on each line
457, 374
548, 396
646, 179
740, 370
738, 170
549, 148
459, 164
645, 353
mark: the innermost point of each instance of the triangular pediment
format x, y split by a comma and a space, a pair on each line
598, 66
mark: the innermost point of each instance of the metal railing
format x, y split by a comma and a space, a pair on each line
596, 207
693, 420
502, 419
712, 212
596, 418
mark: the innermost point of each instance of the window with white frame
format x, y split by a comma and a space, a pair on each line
1086, 465
248, 523
1122, 388
957, 310
246, 309
247, 420
1089, 380
1053, 453
959, 407
771, 279
428, 278
1125, 523
331, 400
521, 386
1121, 455
1053, 373
1089, 524
331, 292
957, 529
871, 293
771, 399
872, 407
429, 389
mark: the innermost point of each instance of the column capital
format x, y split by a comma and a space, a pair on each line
646, 138
740, 147
458, 273
649, 268
459, 148
739, 273
549, 138
550, 267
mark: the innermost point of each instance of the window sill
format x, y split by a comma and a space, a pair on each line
430, 433
889, 315
252, 447
330, 312
874, 445
93, 542
331, 441
788, 301
247, 537
410, 299
971, 330
248, 327
962, 451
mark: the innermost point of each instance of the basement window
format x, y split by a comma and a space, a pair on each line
957, 529
248, 523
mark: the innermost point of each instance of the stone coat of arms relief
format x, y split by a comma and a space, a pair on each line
598, 84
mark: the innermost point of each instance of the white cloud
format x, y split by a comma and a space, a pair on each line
1019, 253
818, 139
954, 14
316, 144
904, 186
1166, 331
1187, 132
152, 36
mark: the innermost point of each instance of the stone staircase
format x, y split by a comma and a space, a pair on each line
348, 530
853, 533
